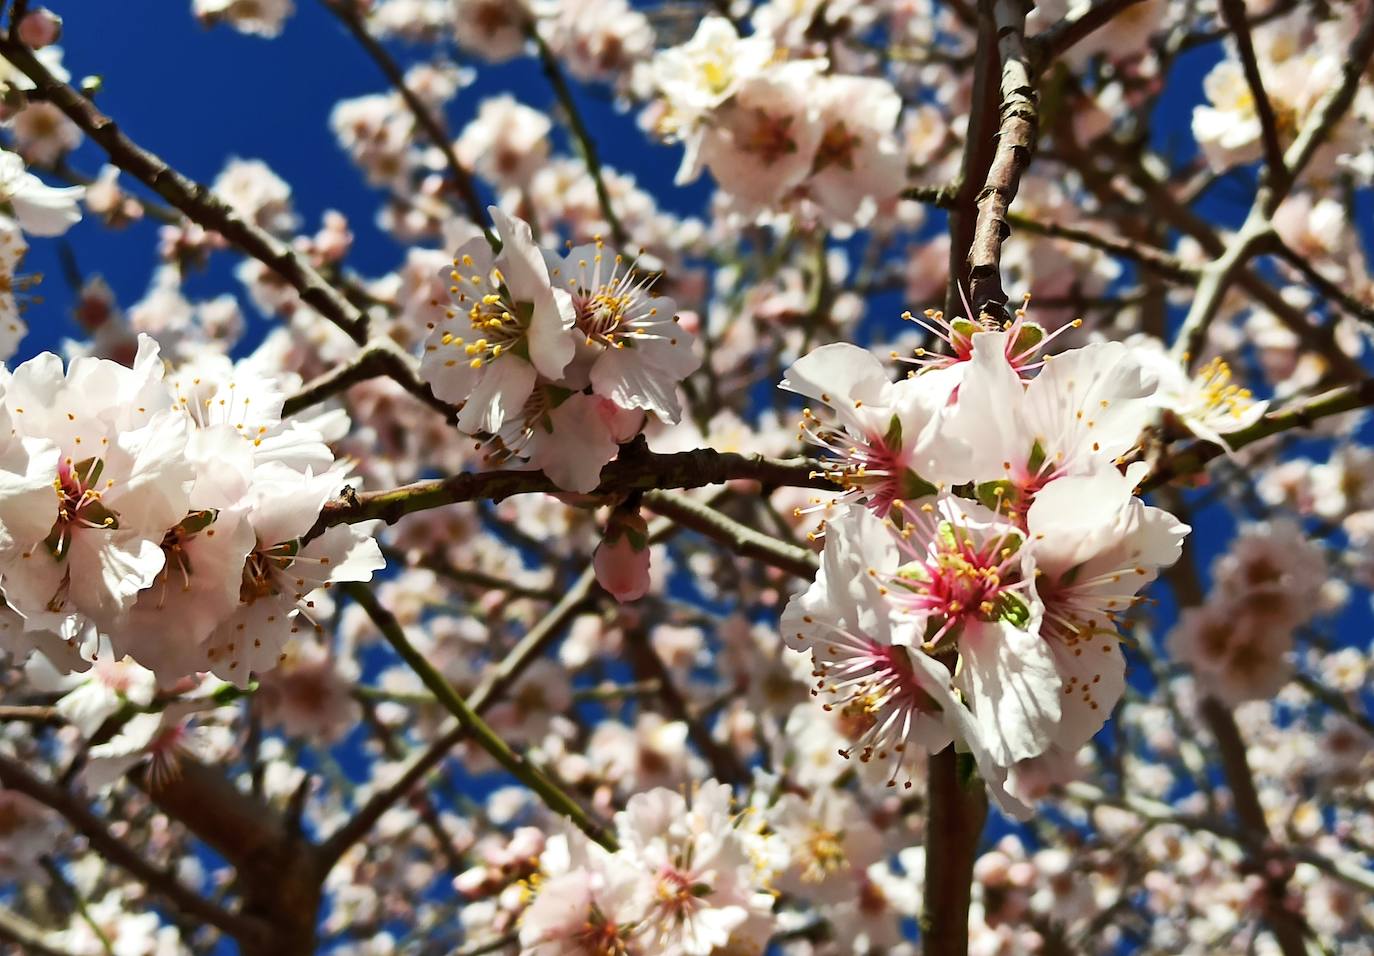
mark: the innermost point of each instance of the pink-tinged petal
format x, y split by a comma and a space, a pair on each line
502, 388
1013, 688
578, 446
935, 680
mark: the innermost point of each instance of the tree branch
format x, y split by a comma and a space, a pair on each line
347, 13
954, 825
380, 358
590, 156
14, 776
1196, 454
1328, 112
1234, 13
1015, 144
739, 538
688, 469
1058, 39
192, 198
496, 682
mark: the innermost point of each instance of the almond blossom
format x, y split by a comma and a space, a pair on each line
892, 440
507, 325
40, 210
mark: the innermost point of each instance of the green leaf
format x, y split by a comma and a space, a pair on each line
1037, 458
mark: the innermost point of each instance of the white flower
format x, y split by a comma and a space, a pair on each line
41, 210
829, 842
280, 574
507, 142
257, 194
112, 457
633, 349
1208, 403
706, 890
866, 644
1078, 415
858, 162
508, 325
590, 902
892, 440
262, 18
1095, 546
700, 75
491, 29
12, 327
761, 143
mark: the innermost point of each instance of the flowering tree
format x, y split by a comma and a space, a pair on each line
484, 600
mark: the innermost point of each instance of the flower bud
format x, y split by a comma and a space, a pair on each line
40, 28
622, 558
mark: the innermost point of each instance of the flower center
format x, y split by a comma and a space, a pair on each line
1218, 392
956, 574
79, 505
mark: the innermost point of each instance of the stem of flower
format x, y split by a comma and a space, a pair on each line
955, 812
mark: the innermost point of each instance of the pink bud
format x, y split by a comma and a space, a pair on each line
622, 558
40, 28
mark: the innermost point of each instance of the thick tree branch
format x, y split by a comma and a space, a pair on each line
192, 198
979, 147
14, 776
1015, 143
689, 469
955, 816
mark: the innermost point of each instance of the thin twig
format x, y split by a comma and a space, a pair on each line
380, 358
1058, 39
578, 128
1234, 13
496, 682
516, 765
347, 12
739, 538
1360, 310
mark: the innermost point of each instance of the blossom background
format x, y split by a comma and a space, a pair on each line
199, 97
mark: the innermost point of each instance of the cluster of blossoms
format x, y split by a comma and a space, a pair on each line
1299, 61
555, 360
177, 673
973, 589
167, 517
777, 132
